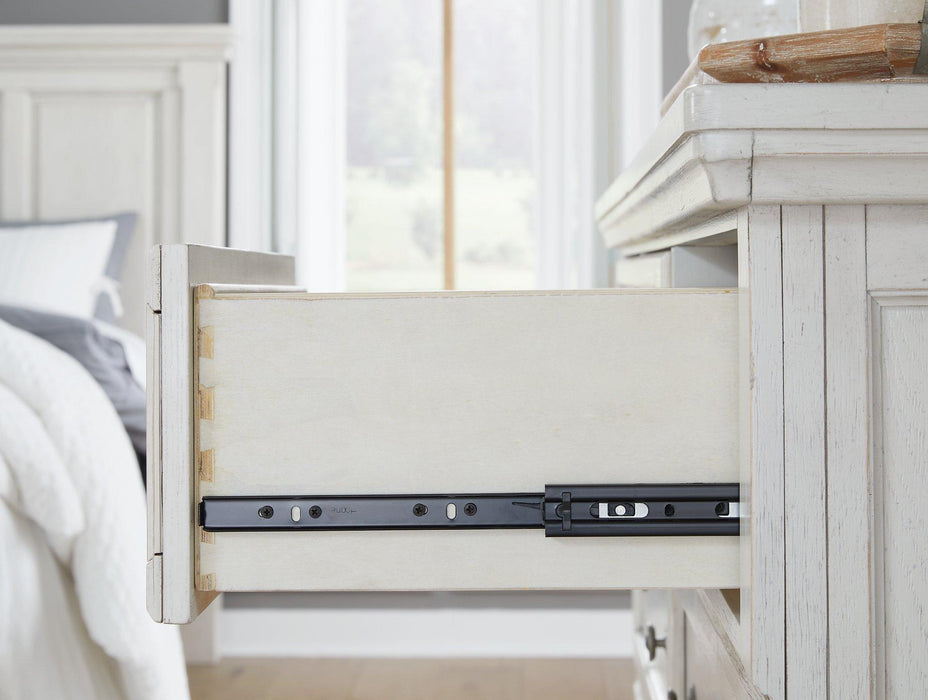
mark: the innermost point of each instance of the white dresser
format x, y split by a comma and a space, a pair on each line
813, 200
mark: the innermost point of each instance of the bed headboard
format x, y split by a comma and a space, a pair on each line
96, 120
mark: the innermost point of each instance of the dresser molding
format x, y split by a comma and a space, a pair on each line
720, 147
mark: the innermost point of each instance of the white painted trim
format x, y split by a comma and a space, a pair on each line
287, 144
141, 43
449, 633
320, 145
251, 81
284, 128
639, 48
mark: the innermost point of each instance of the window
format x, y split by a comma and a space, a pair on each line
404, 98
418, 144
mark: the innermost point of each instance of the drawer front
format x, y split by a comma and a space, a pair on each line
653, 642
457, 393
710, 674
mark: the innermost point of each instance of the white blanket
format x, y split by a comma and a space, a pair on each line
73, 621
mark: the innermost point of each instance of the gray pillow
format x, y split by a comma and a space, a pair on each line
103, 357
125, 229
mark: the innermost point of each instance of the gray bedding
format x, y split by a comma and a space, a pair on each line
103, 357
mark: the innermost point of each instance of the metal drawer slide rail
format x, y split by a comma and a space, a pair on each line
563, 511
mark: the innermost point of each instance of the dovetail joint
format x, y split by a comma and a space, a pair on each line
207, 537
206, 582
205, 342
207, 464
206, 400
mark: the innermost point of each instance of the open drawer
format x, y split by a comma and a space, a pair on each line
257, 390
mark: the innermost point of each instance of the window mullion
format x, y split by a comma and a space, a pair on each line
448, 140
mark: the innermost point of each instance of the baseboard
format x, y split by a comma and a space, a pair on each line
428, 633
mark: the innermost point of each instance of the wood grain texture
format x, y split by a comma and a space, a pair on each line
900, 452
465, 392
763, 560
804, 447
713, 666
848, 453
877, 52
413, 679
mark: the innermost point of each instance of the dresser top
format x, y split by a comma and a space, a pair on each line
720, 147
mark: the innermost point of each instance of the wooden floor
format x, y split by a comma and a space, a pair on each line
401, 679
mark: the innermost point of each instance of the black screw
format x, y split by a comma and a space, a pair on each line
470, 509
721, 508
419, 510
669, 510
315, 512
265, 512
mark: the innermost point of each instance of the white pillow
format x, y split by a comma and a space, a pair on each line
56, 267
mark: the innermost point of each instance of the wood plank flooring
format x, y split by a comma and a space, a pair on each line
403, 679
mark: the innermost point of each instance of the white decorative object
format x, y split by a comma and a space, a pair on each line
820, 189
102, 119
817, 15
716, 21
57, 268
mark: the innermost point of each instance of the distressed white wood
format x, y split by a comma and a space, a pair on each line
804, 447
857, 153
102, 119
709, 172
900, 451
717, 230
848, 453
720, 146
713, 666
177, 268
466, 393
763, 605
897, 247
153, 427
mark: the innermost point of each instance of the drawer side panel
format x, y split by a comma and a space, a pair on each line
466, 393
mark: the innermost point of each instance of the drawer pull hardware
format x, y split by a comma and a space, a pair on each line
652, 643
562, 511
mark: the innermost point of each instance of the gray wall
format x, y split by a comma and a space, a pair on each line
112, 11
675, 16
